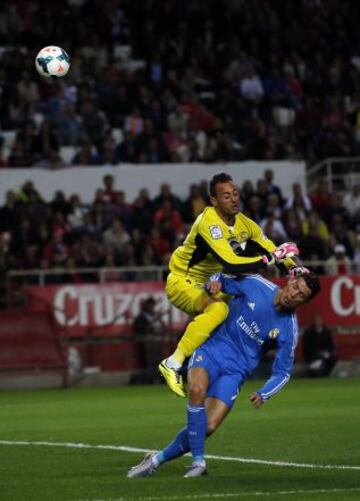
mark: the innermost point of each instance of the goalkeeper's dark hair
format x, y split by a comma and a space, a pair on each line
219, 178
313, 283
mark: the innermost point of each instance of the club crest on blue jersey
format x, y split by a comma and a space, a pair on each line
216, 231
273, 333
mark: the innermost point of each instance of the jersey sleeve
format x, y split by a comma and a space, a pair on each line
232, 285
222, 251
258, 236
283, 363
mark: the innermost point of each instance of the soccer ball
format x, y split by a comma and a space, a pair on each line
52, 61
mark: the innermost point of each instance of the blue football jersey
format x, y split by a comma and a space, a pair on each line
252, 321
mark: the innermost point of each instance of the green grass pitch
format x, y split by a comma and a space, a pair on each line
314, 422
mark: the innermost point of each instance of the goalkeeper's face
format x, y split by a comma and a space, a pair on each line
226, 199
295, 293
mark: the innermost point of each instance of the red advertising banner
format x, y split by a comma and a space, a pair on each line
101, 309
107, 309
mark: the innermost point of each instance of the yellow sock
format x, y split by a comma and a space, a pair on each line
197, 332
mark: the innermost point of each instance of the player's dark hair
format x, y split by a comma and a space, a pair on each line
313, 283
218, 178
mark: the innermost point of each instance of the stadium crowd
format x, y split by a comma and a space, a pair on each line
64, 233
206, 80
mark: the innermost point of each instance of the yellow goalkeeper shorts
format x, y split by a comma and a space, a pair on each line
189, 295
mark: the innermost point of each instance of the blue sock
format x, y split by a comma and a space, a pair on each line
197, 432
176, 448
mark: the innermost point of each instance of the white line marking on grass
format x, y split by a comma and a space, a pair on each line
125, 448
232, 495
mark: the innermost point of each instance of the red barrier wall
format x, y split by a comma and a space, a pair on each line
28, 341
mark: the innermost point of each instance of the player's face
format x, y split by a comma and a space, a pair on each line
294, 293
226, 199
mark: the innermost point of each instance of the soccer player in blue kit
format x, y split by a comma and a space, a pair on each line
259, 311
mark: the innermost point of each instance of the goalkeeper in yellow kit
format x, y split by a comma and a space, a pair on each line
221, 239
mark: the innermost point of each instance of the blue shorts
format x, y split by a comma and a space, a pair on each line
223, 384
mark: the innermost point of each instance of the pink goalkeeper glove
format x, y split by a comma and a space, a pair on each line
282, 252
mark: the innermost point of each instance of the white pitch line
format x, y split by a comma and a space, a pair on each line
246, 494
125, 448
233, 495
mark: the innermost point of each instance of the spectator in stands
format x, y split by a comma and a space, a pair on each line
273, 228
262, 192
169, 221
313, 247
109, 193
111, 260
116, 235
3, 161
246, 191
125, 151
148, 144
28, 89
9, 213
342, 234
292, 225
51, 161
321, 198
351, 200
166, 194
338, 263
255, 209
76, 211
60, 204
87, 155
107, 153
56, 251
45, 140
336, 209
194, 204
94, 121
70, 129
19, 156
251, 87
274, 204
149, 329
298, 201
123, 210
314, 220
318, 348
28, 192
157, 248
134, 122
69, 274
272, 188
142, 213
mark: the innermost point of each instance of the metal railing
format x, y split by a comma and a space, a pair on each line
96, 275
339, 172
106, 275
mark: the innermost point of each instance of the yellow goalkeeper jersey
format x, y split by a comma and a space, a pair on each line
213, 246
